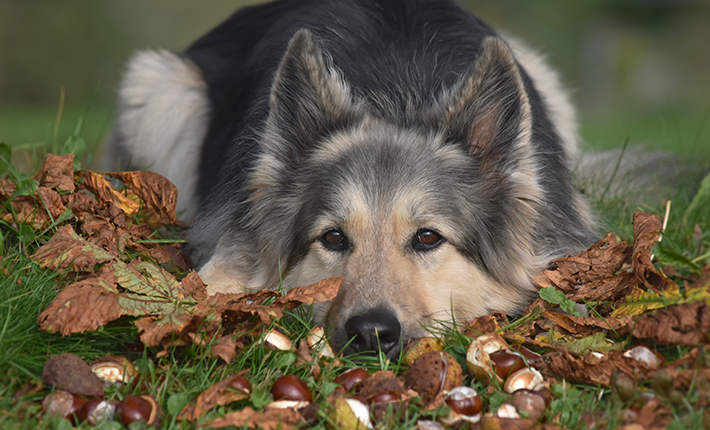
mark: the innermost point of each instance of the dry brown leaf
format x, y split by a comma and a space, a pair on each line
105, 192
269, 419
57, 172
225, 348
66, 250
322, 291
585, 326
593, 370
687, 325
220, 394
158, 194
81, 306
653, 416
646, 232
592, 275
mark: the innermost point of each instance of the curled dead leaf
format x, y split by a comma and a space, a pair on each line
647, 230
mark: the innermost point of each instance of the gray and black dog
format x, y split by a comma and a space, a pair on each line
400, 144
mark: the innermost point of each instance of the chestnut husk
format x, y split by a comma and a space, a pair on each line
433, 373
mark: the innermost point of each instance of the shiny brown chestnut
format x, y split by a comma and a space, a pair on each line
351, 378
532, 402
95, 411
533, 358
465, 405
523, 378
464, 401
291, 387
385, 397
506, 362
62, 403
138, 408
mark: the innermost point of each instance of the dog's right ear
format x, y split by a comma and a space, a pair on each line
309, 99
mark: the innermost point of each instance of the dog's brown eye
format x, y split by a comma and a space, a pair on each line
334, 240
426, 240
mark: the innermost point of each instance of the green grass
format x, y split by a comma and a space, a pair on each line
175, 380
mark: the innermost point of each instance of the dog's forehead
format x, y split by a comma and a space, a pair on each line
378, 172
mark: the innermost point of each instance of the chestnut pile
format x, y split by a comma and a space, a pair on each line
435, 379
434, 382
75, 379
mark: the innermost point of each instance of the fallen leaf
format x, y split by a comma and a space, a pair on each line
592, 369
81, 306
647, 230
687, 324
222, 393
105, 192
57, 172
585, 326
269, 419
158, 194
592, 275
67, 250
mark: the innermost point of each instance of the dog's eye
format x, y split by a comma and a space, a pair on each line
426, 240
334, 240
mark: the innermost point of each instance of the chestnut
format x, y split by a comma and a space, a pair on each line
532, 402
646, 356
113, 369
291, 387
139, 408
506, 362
523, 378
62, 403
384, 397
506, 410
465, 405
433, 373
274, 339
316, 339
240, 383
287, 404
533, 358
350, 414
95, 411
351, 378
478, 355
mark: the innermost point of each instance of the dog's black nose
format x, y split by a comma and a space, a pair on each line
374, 330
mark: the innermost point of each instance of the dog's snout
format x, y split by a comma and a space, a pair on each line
372, 331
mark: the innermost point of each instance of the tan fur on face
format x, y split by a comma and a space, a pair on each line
384, 271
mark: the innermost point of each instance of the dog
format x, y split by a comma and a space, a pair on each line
401, 144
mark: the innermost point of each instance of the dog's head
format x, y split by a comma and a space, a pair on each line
426, 222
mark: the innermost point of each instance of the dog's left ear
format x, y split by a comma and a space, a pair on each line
489, 110
309, 99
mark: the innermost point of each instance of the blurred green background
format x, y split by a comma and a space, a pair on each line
637, 68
